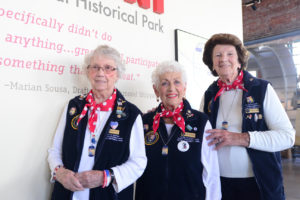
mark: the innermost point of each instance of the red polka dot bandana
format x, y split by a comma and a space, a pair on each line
177, 118
107, 105
237, 84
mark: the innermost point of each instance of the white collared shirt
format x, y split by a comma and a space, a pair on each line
125, 174
233, 160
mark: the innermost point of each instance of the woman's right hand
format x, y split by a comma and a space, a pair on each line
68, 180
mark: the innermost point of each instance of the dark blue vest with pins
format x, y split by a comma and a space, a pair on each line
112, 150
177, 175
266, 165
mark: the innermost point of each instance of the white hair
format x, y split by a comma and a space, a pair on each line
109, 52
167, 66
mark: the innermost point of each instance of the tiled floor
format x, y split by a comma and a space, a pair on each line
291, 176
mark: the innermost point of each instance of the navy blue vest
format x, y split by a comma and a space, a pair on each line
112, 148
177, 175
266, 165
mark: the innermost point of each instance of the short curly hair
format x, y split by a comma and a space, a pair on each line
167, 66
226, 39
106, 51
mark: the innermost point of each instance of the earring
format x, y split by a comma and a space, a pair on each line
157, 99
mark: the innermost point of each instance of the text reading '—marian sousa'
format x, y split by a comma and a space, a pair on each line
117, 13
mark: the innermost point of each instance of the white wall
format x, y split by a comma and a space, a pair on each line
30, 111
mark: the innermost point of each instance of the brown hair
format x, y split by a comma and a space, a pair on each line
229, 39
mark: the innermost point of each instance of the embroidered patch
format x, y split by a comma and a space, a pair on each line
151, 138
72, 111
249, 99
114, 137
74, 122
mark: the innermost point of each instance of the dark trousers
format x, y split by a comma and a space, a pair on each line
239, 189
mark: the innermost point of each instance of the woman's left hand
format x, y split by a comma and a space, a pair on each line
90, 179
220, 138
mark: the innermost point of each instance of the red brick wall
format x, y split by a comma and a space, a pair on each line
272, 17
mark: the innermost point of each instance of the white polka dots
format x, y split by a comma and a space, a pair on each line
177, 118
237, 84
93, 117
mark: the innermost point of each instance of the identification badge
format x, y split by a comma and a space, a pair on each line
224, 125
164, 151
91, 151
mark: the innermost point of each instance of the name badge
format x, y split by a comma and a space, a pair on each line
191, 135
114, 131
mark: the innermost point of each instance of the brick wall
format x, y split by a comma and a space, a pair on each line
272, 17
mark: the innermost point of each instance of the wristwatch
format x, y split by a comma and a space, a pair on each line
112, 175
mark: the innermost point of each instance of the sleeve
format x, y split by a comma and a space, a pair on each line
281, 134
55, 151
134, 167
211, 173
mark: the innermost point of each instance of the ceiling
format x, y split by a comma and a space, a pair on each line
274, 62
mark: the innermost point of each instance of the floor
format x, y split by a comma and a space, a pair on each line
291, 176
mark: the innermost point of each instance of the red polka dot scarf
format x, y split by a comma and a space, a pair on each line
107, 105
177, 118
237, 84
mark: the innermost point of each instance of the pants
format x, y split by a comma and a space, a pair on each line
239, 189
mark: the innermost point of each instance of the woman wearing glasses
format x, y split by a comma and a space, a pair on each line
98, 150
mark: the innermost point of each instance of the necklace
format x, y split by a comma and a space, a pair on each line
225, 117
165, 148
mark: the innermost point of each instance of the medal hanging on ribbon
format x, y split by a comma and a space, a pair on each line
92, 149
164, 151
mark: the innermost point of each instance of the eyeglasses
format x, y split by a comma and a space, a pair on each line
107, 69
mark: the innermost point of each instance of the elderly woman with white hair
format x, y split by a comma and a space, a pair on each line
98, 150
181, 165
